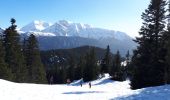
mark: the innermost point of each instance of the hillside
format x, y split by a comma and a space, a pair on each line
76, 52
62, 56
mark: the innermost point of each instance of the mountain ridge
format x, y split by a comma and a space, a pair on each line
35, 25
66, 28
64, 35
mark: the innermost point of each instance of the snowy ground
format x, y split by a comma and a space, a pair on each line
102, 89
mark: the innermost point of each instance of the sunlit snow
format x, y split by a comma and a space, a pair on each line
102, 89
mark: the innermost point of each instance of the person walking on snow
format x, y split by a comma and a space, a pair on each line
81, 82
89, 84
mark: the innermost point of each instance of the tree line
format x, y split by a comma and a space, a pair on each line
86, 67
20, 61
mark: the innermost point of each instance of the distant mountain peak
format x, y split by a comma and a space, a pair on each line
64, 22
35, 26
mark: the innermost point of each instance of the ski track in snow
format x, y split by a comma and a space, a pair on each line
102, 89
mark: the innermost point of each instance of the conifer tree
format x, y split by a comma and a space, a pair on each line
5, 72
90, 71
80, 68
128, 68
128, 57
148, 61
71, 69
63, 74
14, 56
106, 62
167, 46
117, 69
36, 70
167, 69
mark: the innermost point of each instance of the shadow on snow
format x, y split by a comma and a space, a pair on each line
150, 93
82, 92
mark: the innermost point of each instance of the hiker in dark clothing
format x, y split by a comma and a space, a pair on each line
51, 80
90, 85
81, 82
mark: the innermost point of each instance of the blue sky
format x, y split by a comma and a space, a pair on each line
121, 15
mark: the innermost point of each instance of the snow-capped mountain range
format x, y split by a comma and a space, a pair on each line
64, 34
66, 28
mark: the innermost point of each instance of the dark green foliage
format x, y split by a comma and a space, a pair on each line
56, 60
90, 70
71, 69
13, 56
63, 75
117, 71
167, 70
128, 58
77, 52
5, 72
167, 46
79, 69
106, 62
129, 68
35, 67
148, 60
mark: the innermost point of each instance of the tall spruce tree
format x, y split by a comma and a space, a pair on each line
148, 60
71, 69
117, 69
36, 70
106, 62
167, 46
5, 72
90, 71
126, 67
80, 68
167, 69
63, 75
14, 56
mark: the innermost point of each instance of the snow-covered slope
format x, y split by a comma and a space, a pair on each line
102, 89
35, 26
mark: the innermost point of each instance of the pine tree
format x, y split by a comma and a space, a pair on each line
36, 70
71, 69
79, 69
127, 67
128, 57
90, 71
148, 60
5, 72
106, 63
14, 56
63, 74
167, 70
117, 69
167, 46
